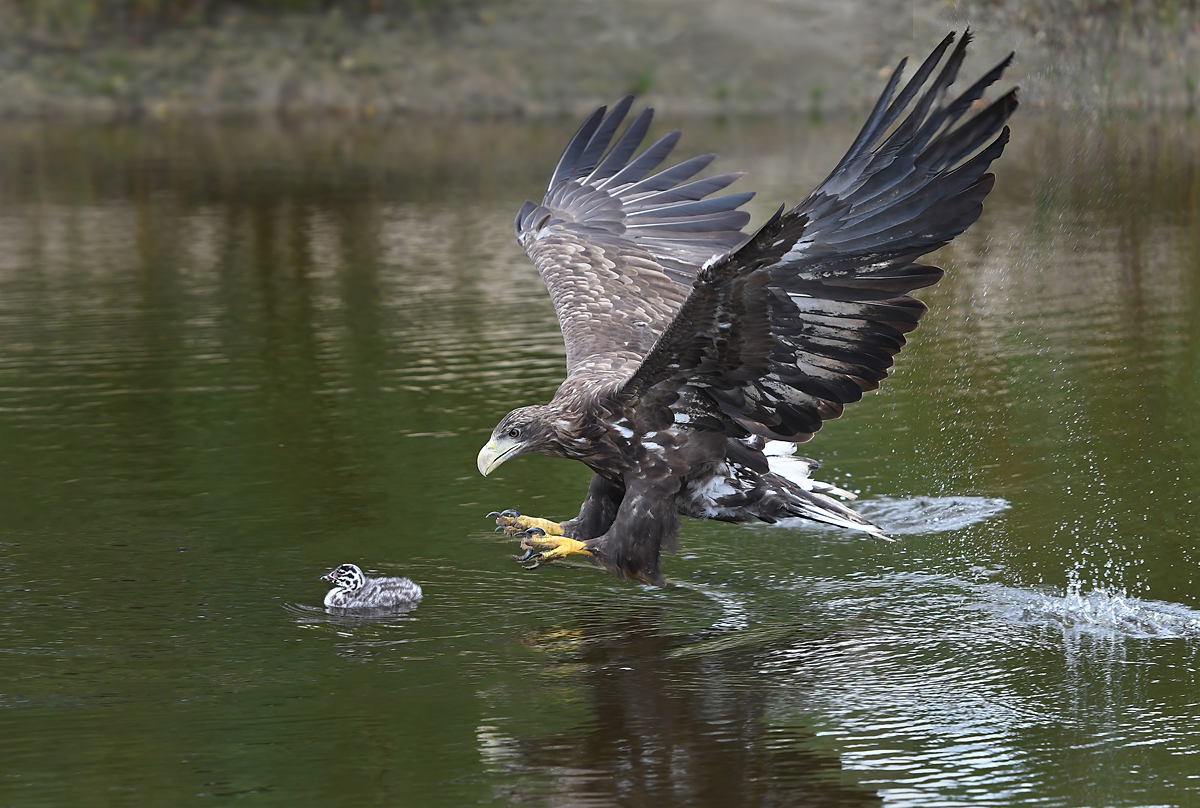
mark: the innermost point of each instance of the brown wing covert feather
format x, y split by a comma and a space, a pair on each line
618, 246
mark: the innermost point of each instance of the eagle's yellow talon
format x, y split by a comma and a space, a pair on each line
540, 547
512, 523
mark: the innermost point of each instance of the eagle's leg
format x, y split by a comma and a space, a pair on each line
540, 548
513, 523
646, 521
598, 511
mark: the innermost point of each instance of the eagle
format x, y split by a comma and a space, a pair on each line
698, 355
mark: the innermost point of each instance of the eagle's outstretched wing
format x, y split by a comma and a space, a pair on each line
808, 314
618, 247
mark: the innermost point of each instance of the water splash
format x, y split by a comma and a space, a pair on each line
918, 515
1098, 612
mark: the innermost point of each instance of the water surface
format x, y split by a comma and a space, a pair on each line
234, 357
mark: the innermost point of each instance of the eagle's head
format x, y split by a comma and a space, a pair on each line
524, 430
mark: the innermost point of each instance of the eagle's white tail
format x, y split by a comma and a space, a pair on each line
781, 458
812, 501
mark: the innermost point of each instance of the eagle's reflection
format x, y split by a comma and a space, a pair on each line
672, 720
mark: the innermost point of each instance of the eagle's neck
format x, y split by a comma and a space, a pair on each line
578, 421
573, 435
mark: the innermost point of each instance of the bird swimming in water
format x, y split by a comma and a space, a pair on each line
699, 355
352, 589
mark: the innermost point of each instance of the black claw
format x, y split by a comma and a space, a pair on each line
528, 555
510, 514
493, 514
532, 533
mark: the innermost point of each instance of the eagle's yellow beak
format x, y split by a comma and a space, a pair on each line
493, 454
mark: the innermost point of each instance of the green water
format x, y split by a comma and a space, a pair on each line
234, 357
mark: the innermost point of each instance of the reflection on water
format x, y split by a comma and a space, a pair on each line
669, 723
231, 357
394, 616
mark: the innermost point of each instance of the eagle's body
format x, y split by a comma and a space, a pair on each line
698, 356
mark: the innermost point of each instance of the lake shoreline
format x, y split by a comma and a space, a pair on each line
554, 57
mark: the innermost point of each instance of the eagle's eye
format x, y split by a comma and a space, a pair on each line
514, 433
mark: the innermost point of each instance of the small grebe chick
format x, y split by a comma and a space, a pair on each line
354, 590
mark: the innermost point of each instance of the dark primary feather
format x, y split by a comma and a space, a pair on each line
807, 315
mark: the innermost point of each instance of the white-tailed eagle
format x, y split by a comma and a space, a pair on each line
698, 355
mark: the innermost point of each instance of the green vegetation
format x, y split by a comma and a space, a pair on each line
643, 81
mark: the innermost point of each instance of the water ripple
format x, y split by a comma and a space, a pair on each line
941, 691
